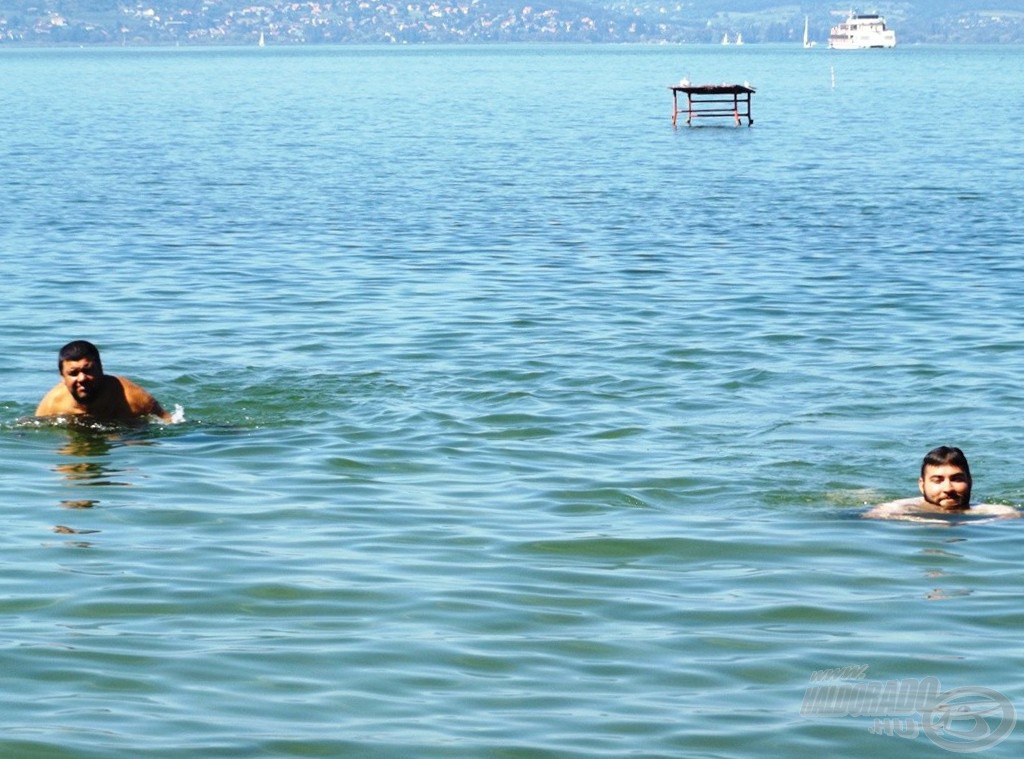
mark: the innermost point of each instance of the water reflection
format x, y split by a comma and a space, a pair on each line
88, 451
62, 529
78, 503
90, 466
936, 573
87, 456
93, 448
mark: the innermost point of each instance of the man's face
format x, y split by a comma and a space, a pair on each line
946, 486
82, 379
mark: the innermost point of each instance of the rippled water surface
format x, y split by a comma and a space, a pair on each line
518, 423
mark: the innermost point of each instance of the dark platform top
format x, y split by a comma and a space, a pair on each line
712, 89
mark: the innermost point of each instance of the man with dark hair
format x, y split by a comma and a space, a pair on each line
945, 486
946, 479
84, 390
78, 349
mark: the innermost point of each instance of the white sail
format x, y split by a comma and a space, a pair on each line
807, 37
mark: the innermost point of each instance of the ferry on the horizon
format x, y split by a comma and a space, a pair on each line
860, 31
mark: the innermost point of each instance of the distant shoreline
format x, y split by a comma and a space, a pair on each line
61, 23
240, 45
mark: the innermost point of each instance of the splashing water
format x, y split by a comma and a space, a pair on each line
178, 415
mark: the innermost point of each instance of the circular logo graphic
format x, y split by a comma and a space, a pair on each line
969, 719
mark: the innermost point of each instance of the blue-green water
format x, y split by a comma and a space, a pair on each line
518, 423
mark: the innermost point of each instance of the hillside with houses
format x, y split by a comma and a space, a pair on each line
295, 22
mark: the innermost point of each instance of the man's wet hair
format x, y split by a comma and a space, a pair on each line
943, 455
76, 350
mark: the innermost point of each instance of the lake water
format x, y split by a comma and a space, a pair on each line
518, 424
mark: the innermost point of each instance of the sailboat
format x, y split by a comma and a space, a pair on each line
739, 38
725, 38
262, 42
807, 40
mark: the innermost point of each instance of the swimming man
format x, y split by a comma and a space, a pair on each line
945, 486
84, 390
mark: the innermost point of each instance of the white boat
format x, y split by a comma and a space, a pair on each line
807, 38
263, 41
860, 31
739, 38
725, 38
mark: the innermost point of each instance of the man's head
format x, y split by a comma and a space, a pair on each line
77, 350
946, 478
81, 370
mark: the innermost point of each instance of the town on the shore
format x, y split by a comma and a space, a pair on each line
284, 22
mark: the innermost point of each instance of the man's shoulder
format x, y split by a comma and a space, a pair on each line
917, 510
995, 510
139, 400
55, 392
893, 509
56, 401
127, 386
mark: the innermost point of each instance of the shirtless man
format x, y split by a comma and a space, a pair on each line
945, 486
85, 390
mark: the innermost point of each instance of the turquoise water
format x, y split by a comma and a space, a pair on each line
518, 423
